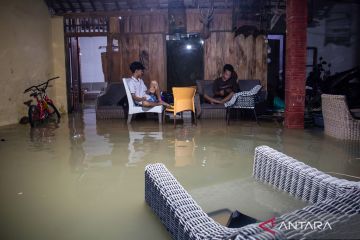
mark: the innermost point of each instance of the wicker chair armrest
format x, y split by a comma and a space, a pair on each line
296, 178
175, 207
340, 212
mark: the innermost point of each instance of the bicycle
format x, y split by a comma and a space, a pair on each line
44, 108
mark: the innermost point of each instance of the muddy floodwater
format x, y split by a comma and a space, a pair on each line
84, 179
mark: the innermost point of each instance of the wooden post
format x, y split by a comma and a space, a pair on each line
109, 57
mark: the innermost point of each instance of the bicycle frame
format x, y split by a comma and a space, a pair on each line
42, 100
42, 105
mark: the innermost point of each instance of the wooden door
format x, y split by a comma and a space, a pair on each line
73, 74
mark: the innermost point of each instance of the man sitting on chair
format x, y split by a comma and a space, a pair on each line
224, 87
139, 92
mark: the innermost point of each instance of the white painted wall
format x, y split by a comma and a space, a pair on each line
90, 59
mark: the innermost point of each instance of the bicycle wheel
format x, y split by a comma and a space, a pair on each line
34, 115
53, 113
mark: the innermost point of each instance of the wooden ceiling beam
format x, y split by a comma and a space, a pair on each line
123, 12
117, 5
130, 4
61, 4
71, 6
93, 5
81, 5
103, 5
50, 3
142, 3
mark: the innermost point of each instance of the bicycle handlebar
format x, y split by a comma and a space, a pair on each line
37, 86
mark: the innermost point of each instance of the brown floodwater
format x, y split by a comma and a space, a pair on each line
84, 179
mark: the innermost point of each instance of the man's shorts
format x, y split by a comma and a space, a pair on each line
149, 98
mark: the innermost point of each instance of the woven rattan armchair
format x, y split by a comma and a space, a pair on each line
330, 200
338, 120
243, 100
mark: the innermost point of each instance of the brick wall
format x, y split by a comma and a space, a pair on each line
295, 74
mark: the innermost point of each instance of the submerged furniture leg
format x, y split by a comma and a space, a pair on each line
174, 120
193, 115
256, 117
160, 118
228, 116
129, 118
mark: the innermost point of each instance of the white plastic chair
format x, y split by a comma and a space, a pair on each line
134, 109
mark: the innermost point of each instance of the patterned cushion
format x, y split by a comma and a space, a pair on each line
245, 99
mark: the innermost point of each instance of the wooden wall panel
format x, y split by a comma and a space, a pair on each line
142, 35
148, 47
114, 25
193, 23
247, 55
115, 71
261, 63
150, 23
222, 20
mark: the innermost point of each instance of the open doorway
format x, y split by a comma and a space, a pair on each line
91, 70
275, 75
85, 70
73, 74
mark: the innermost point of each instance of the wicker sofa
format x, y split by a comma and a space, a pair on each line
330, 200
108, 105
339, 121
207, 110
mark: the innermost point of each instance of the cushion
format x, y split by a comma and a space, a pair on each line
205, 87
113, 94
355, 112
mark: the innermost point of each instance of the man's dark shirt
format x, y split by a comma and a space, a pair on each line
228, 86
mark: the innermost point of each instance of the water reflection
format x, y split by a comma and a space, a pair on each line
142, 142
184, 146
89, 149
43, 134
65, 175
77, 138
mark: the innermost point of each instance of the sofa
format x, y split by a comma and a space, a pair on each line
329, 200
112, 103
207, 110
